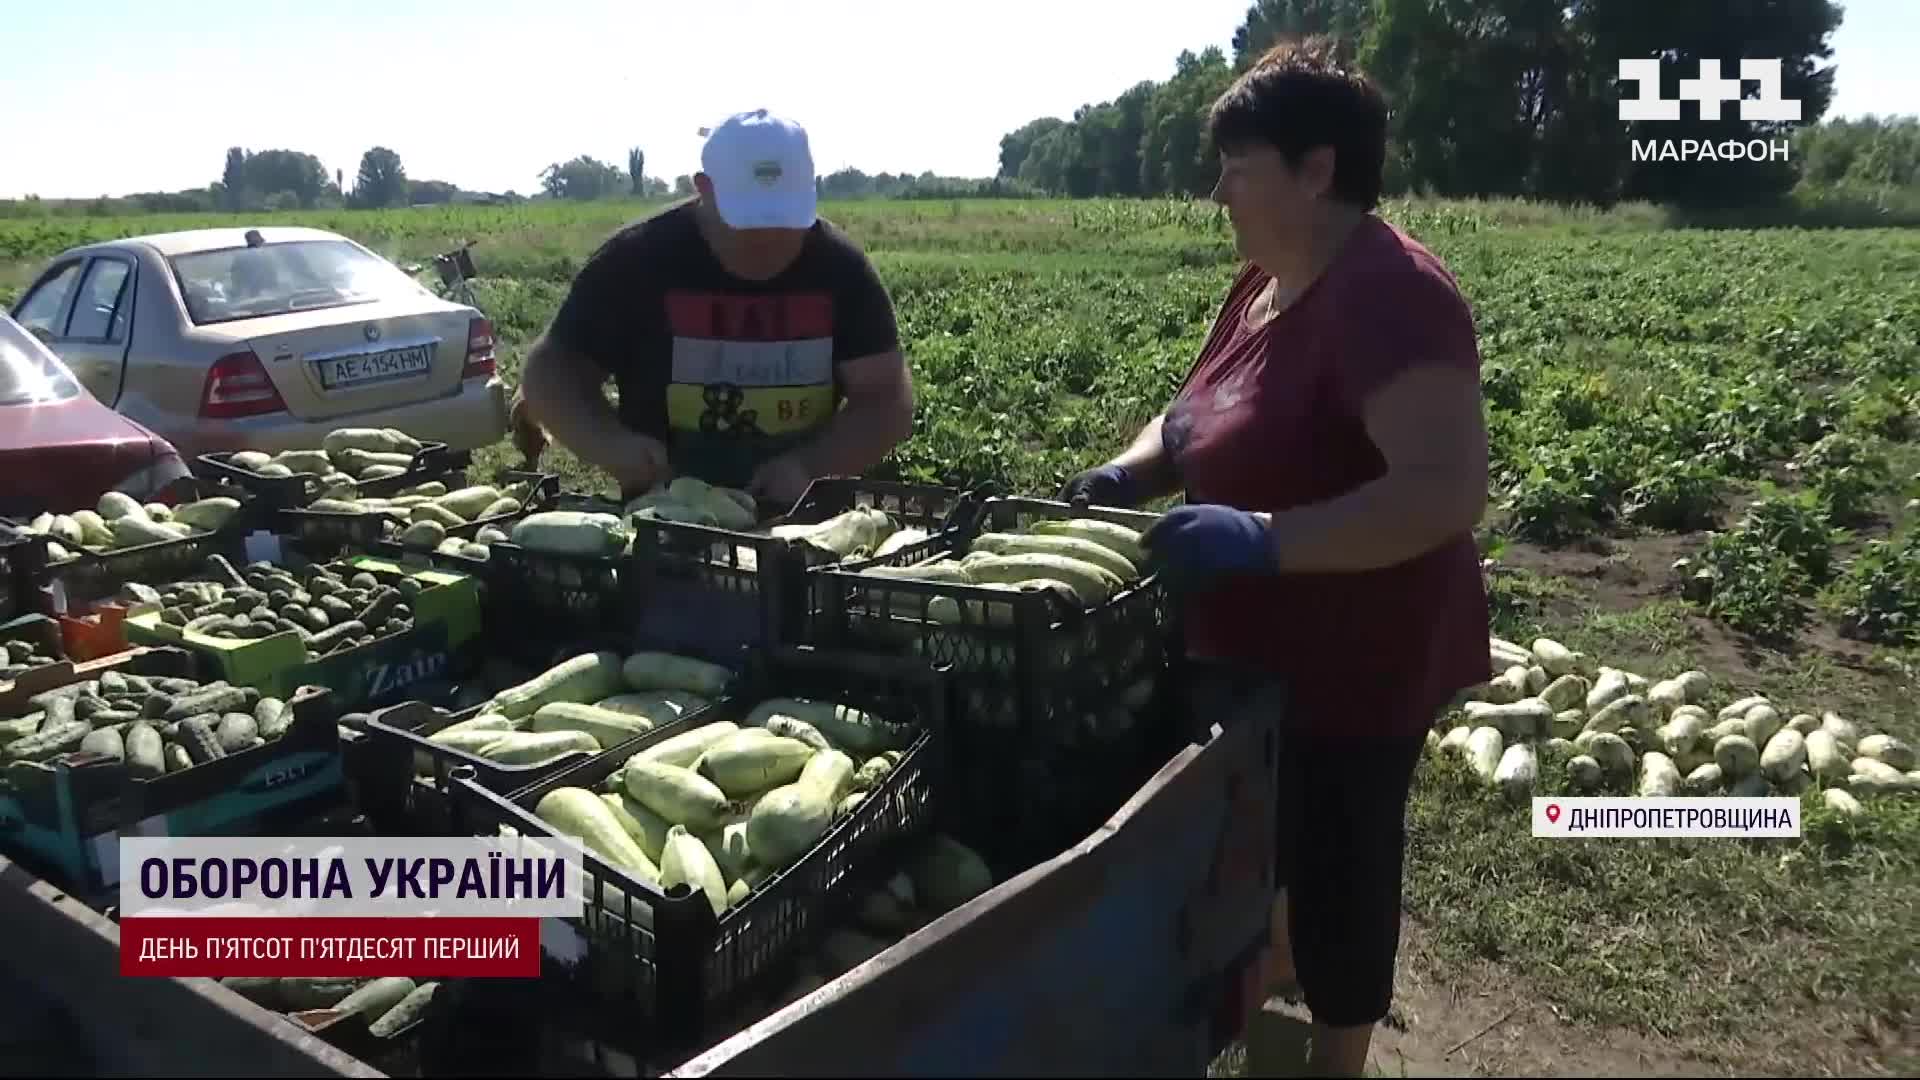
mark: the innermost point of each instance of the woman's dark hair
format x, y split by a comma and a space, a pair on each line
1299, 96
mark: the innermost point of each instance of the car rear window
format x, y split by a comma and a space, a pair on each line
274, 279
29, 373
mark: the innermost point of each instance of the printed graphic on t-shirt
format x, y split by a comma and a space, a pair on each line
1229, 392
747, 366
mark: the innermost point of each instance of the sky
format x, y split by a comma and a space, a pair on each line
112, 97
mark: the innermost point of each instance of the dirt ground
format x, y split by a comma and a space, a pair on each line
1450, 1022
1475, 1018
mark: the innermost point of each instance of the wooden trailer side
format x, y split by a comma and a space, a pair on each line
1120, 956
70, 955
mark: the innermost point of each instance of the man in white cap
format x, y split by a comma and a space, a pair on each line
752, 341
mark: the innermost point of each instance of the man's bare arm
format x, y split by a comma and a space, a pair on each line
563, 391
876, 417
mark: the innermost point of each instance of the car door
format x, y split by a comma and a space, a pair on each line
95, 338
43, 310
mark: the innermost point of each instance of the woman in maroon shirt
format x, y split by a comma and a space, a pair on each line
1333, 455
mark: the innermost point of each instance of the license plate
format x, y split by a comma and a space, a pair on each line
408, 363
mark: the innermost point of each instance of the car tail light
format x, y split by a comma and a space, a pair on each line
238, 385
480, 363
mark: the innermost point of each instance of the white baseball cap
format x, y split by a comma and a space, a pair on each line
762, 172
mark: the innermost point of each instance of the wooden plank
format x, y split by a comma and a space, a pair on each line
1110, 959
145, 1026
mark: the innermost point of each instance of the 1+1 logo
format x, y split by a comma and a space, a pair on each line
1711, 91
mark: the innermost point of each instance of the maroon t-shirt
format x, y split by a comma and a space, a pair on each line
1271, 419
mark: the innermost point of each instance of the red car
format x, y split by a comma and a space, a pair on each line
60, 448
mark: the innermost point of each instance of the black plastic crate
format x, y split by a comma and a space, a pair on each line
23, 560
405, 799
652, 973
546, 489
94, 574
59, 811
573, 594
433, 461
324, 533
1025, 665
756, 584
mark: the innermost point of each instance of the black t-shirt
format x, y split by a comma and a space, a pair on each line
726, 371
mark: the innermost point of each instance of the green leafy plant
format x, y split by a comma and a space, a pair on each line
1879, 593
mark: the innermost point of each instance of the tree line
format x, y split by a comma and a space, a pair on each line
293, 180
1514, 98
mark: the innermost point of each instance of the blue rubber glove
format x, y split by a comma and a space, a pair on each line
1194, 544
1108, 485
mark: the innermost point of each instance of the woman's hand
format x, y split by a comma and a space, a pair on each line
1107, 485
1194, 544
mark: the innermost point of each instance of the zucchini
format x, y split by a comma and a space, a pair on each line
585, 678
679, 795
437, 513
1091, 584
371, 440
535, 748
753, 760
468, 503
848, 535
135, 530
1071, 547
648, 829
208, 515
666, 671
797, 729
505, 504
685, 860
571, 532
376, 997
425, 534
685, 748
176, 757
356, 463
607, 727
790, 819
411, 1010
873, 773
575, 811
304, 461
854, 729
1119, 539
262, 990
115, 505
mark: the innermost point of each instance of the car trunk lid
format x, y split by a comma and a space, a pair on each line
61, 456
374, 360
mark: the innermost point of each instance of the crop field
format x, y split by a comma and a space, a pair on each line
1707, 452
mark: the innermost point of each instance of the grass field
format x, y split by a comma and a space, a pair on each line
1746, 401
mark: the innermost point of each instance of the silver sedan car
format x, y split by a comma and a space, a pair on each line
266, 339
